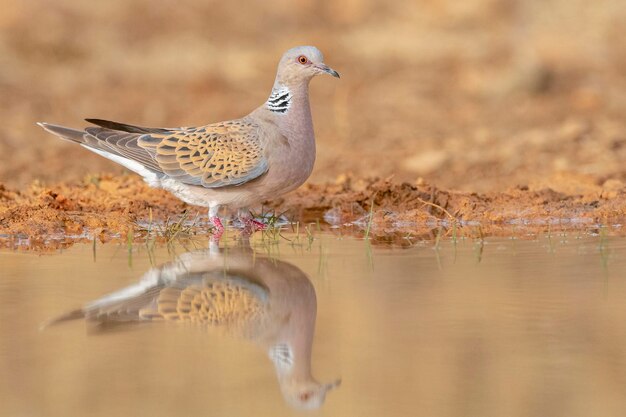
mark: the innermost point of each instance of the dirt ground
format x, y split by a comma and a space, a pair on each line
498, 112
116, 207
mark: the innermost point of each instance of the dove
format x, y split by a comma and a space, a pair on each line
265, 301
234, 164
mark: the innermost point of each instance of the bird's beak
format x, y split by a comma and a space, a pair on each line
327, 69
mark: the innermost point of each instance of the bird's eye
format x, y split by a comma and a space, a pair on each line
302, 59
305, 395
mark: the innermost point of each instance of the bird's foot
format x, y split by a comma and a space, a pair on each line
218, 228
251, 225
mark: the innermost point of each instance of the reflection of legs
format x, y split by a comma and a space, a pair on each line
214, 247
250, 224
217, 223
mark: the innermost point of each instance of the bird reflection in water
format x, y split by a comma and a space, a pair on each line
266, 301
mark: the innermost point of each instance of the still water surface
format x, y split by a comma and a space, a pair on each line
510, 327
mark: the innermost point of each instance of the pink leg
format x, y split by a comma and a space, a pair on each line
254, 225
217, 223
219, 228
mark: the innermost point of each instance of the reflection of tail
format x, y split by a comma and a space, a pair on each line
176, 292
71, 315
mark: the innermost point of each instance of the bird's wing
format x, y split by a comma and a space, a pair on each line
219, 300
124, 144
212, 156
228, 153
216, 155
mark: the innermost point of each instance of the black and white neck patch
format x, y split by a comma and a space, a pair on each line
282, 356
280, 100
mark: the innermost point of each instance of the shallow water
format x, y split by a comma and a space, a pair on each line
501, 327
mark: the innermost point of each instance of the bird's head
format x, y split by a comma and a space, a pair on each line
302, 63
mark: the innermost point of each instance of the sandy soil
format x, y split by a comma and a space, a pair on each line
498, 111
112, 207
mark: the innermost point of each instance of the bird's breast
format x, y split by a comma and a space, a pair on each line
293, 164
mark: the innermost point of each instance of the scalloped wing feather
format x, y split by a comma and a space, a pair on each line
217, 155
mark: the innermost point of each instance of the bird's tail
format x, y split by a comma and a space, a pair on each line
66, 133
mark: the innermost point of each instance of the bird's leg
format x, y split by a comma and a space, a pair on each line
217, 223
250, 224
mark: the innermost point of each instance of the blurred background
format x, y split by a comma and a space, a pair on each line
474, 95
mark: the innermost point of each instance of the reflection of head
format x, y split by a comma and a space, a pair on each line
292, 360
307, 395
268, 302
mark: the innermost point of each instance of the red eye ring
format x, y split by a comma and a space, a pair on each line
303, 60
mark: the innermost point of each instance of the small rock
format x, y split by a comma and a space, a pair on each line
612, 188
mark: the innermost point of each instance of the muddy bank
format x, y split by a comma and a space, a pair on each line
108, 207
103, 206
405, 206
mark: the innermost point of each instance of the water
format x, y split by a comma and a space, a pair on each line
506, 327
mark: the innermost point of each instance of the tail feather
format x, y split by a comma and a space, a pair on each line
63, 132
123, 127
137, 160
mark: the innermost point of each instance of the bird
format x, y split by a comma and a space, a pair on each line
266, 301
234, 164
